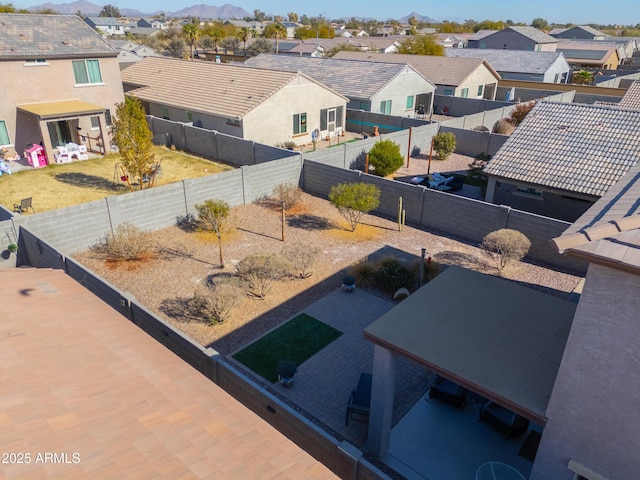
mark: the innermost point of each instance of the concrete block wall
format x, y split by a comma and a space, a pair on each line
459, 107
70, 229
227, 186
469, 142
97, 285
172, 131
235, 151
318, 178
36, 252
360, 121
539, 230
260, 180
202, 142
8, 235
495, 142
390, 193
266, 153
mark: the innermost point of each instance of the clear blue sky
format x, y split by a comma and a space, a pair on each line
623, 12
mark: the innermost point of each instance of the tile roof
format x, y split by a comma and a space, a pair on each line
596, 50
49, 36
481, 34
214, 88
575, 148
521, 61
352, 78
631, 99
609, 232
77, 377
438, 70
534, 34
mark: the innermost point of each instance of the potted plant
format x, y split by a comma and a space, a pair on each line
12, 247
287, 372
349, 283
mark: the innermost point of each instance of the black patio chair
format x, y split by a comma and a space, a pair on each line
360, 399
23, 206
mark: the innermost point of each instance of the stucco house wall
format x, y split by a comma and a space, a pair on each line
409, 83
24, 83
272, 121
593, 419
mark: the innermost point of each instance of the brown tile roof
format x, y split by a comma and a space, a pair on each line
438, 70
631, 99
50, 36
575, 148
215, 88
79, 378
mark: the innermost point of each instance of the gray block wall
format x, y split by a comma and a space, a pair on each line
260, 180
36, 252
318, 178
390, 193
225, 186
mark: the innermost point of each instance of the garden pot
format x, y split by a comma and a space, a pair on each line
286, 382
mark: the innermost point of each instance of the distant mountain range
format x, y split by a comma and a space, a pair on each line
225, 12
201, 11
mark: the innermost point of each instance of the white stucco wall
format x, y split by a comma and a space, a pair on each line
561, 67
408, 83
480, 76
272, 121
594, 409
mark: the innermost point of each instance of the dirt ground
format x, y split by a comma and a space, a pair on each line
185, 261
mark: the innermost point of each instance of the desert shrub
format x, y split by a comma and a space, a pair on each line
392, 275
301, 257
221, 297
503, 126
289, 145
431, 270
364, 273
213, 215
354, 200
287, 193
385, 158
444, 143
519, 112
126, 243
261, 271
505, 245
480, 128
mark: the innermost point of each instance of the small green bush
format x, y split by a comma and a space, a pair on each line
354, 200
392, 275
505, 245
385, 158
444, 143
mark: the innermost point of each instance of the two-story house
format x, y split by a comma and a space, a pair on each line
60, 82
106, 25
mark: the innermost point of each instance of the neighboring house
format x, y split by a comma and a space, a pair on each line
342, 32
548, 67
106, 25
590, 55
265, 106
61, 77
131, 52
593, 420
449, 40
563, 157
291, 28
514, 38
143, 31
457, 77
580, 32
317, 47
630, 100
158, 23
387, 88
253, 25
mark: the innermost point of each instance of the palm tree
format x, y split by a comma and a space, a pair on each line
192, 33
245, 34
278, 32
583, 76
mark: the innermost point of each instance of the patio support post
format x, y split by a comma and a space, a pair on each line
382, 391
491, 190
46, 142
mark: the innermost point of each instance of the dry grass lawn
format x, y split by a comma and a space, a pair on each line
62, 185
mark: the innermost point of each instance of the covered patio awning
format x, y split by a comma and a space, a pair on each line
56, 110
494, 337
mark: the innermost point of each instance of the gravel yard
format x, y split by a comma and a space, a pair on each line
186, 260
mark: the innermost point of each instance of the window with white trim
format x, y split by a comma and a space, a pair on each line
410, 102
448, 92
95, 123
164, 112
385, 107
4, 134
107, 117
480, 90
86, 72
299, 123
35, 61
464, 93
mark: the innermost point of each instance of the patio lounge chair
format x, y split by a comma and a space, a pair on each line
360, 399
504, 420
23, 206
448, 392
